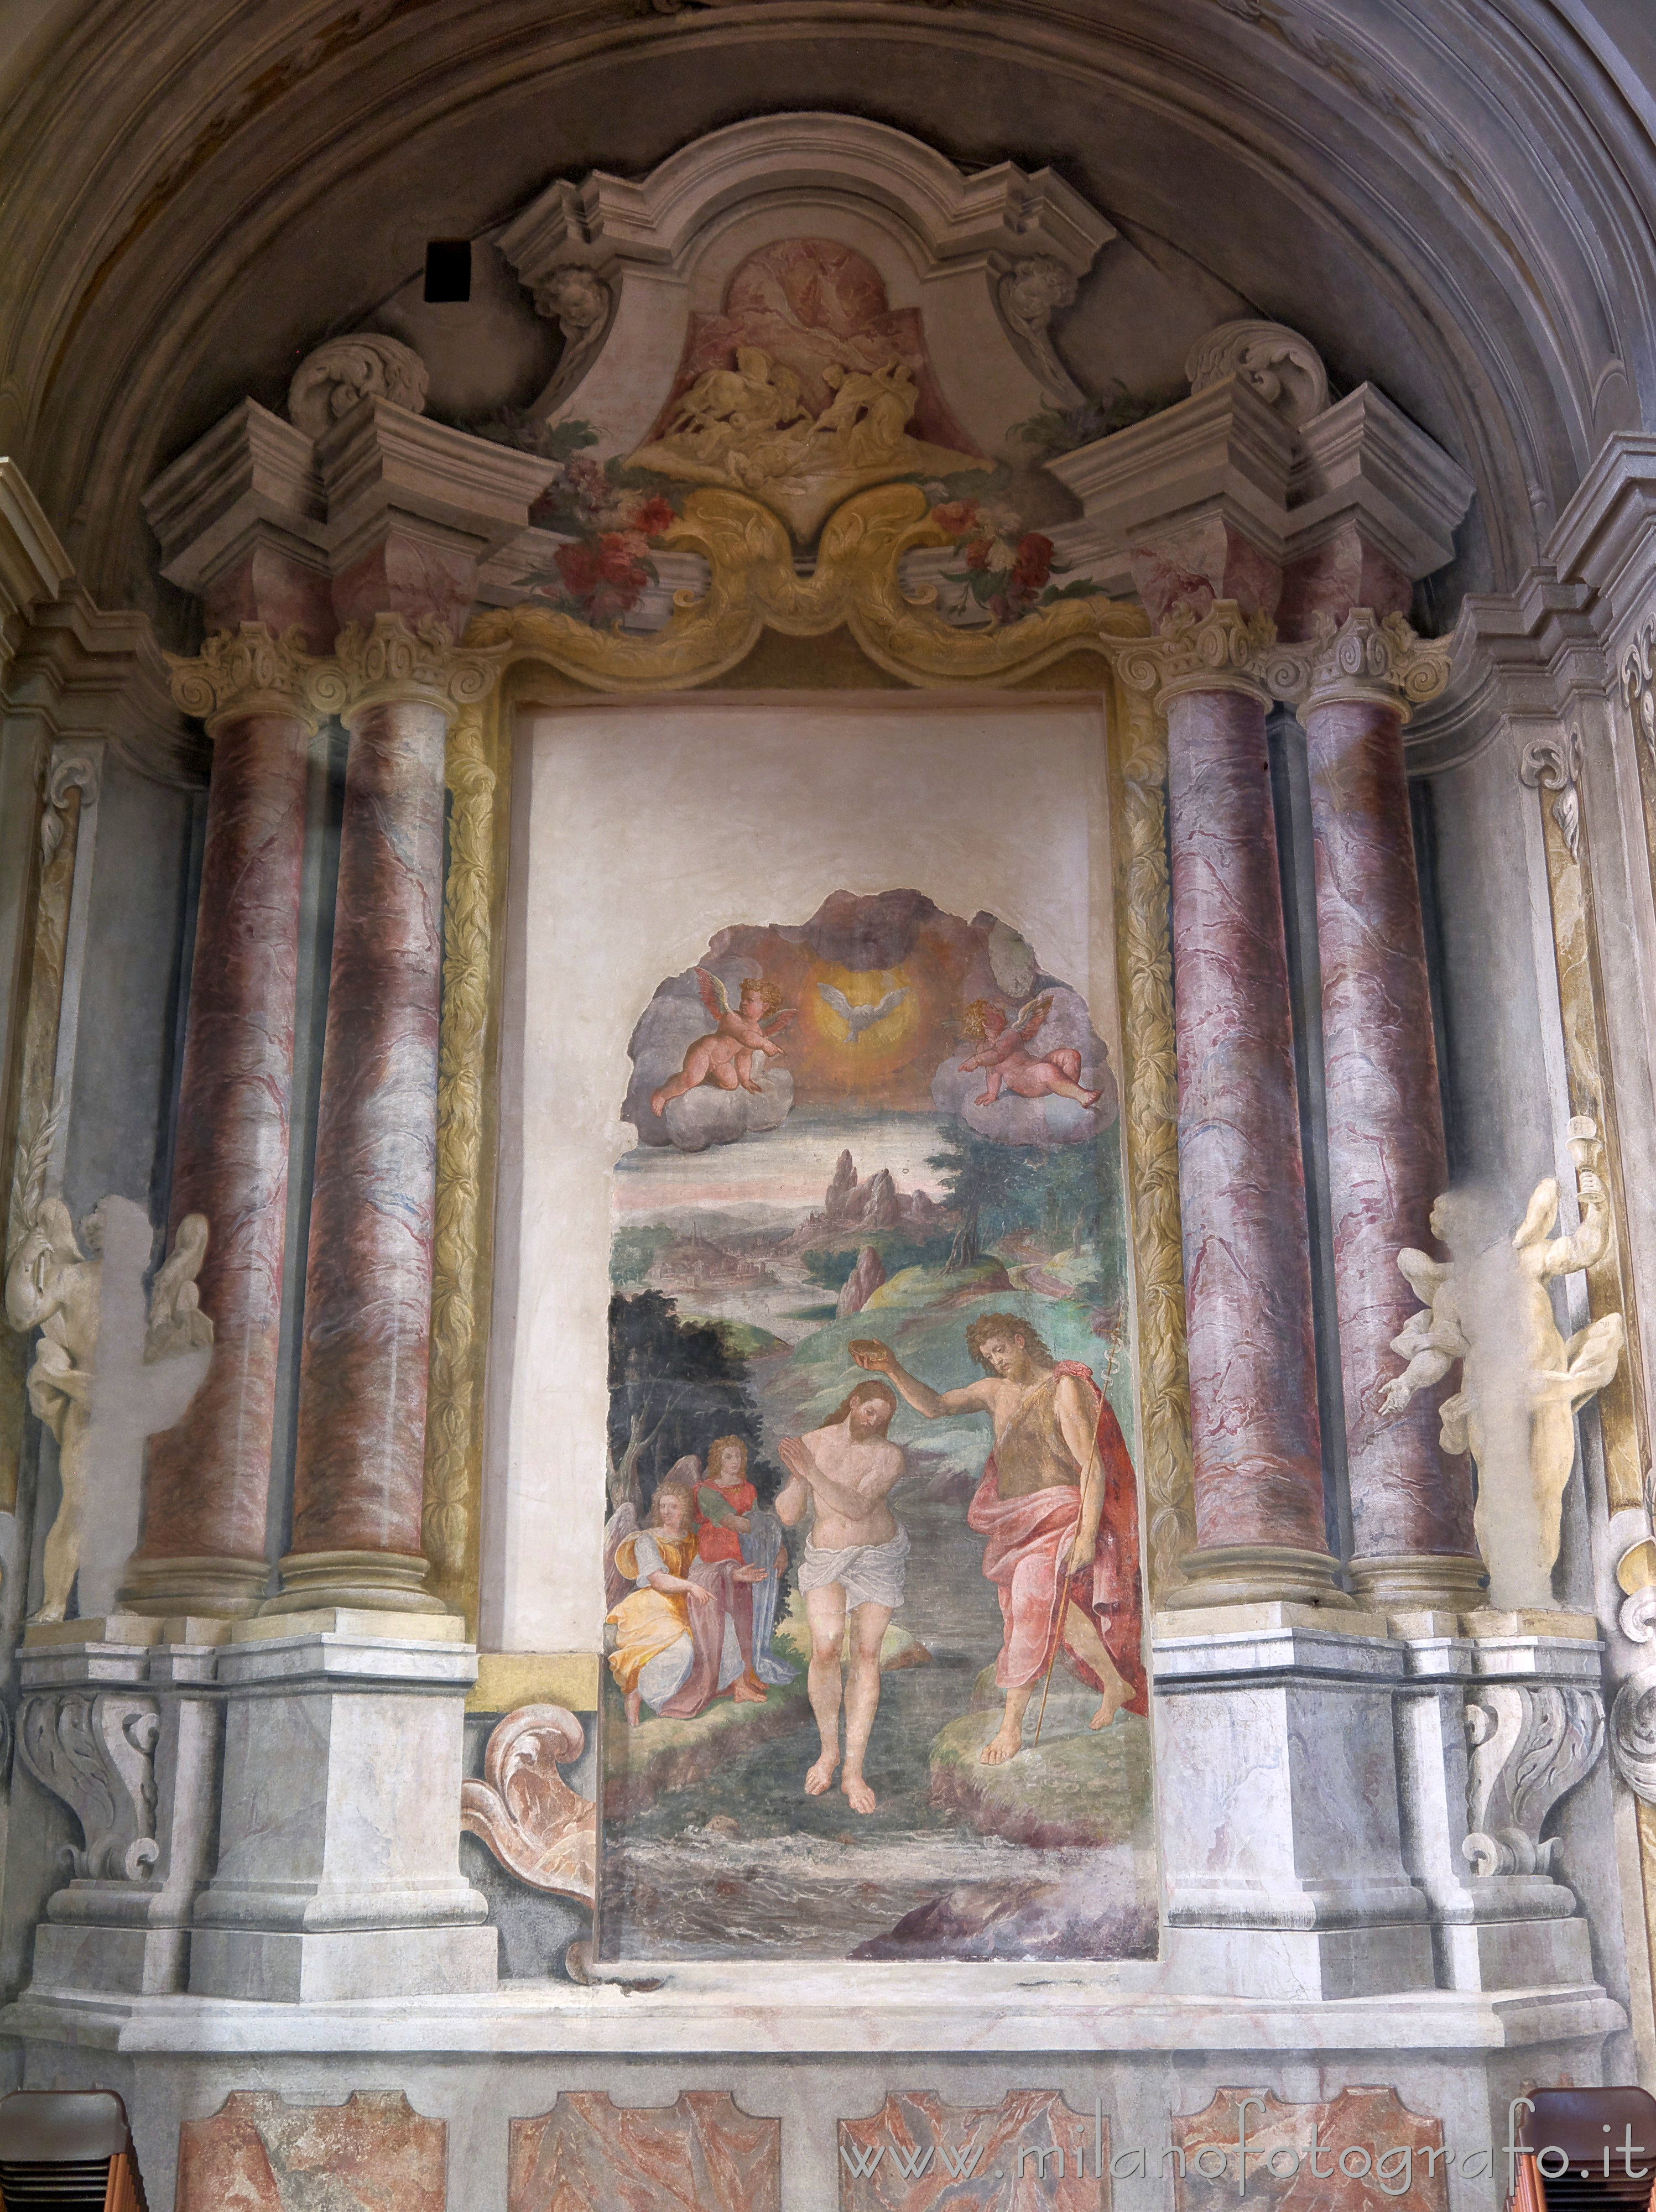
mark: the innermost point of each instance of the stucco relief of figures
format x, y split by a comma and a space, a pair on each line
110, 1368
1488, 1308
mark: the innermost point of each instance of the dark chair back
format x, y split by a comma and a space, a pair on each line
67, 2148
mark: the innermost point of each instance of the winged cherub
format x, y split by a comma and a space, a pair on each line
858, 1018
732, 1055
1003, 1052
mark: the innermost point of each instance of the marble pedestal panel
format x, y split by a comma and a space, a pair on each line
1492, 1731
126, 1730
1280, 1823
339, 1864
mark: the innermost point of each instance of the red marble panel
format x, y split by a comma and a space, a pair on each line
1207, 560
271, 586
360, 1466
1344, 572
1386, 1144
1030, 2152
702, 2154
209, 1477
1361, 2151
411, 574
1247, 1263
260, 2153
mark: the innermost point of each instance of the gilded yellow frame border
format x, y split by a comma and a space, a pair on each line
753, 588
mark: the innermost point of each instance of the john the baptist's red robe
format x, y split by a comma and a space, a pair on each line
1030, 1532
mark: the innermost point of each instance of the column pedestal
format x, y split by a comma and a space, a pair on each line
127, 1734
1492, 1731
1280, 1828
338, 1860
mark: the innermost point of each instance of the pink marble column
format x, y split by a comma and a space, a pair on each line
1412, 1508
201, 1546
359, 1465
1260, 1526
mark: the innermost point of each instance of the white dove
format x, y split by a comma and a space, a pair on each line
858, 1018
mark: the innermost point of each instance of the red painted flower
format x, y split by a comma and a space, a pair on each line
655, 517
1034, 563
578, 565
957, 516
978, 551
618, 557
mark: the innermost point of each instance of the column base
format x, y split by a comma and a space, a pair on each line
373, 1582
139, 1962
1315, 1965
1508, 1955
323, 1967
1257, 1574
212, 1588
1404, 1583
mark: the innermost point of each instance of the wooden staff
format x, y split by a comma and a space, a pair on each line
1063, 1608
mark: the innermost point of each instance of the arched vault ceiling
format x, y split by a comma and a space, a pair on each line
1449, 197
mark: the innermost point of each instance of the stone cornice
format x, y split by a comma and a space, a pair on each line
33, 566
1518, 657
1223, 650
86, 674
1606, 535
1380, 661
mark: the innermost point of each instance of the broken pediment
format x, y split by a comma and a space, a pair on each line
805, 306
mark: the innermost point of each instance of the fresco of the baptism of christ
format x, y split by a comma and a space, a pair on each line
874, 1676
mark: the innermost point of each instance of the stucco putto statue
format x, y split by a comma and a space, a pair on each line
110, 1367
1489, 1307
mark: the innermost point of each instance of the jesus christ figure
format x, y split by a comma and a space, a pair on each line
1058, 1506
852, 1565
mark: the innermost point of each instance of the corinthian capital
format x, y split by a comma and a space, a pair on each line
394, 659
1366, 658
246, 671
1223, 650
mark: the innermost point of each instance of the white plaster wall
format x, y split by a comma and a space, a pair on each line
638, 831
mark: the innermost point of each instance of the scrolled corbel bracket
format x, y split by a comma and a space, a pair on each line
1555, 764
96, 1751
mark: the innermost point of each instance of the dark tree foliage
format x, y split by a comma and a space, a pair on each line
674, 1386
1067, 1195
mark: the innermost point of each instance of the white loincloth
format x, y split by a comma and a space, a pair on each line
869, 1574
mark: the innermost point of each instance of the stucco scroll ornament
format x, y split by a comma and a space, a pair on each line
55, 1284
1639, 675
1220, 650
1285, 369
754, 585
1530, 1743
331, 380
1633, 1715
95, 1750
68, 771
391, 659
248, 671
1030, 293
1555, 764
1487, 1307
1367, 656
535, 1824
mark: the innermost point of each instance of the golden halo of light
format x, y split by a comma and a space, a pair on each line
884, 1046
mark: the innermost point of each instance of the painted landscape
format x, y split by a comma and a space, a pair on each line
872, 1398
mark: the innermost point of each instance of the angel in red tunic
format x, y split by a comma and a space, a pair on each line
740, 1040
1058, 1505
